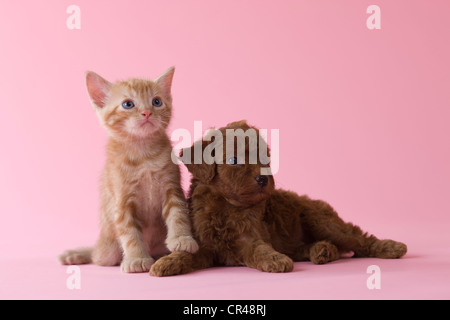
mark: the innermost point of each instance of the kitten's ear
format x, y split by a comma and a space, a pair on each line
98, 89
164, 81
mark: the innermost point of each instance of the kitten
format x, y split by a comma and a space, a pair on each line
143, 208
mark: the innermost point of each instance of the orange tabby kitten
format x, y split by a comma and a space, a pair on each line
143, 208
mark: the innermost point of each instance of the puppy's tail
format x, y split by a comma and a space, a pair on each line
77, 256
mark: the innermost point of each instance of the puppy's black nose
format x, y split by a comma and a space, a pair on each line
262, 180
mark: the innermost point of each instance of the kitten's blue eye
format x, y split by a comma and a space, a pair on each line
233, 161
128, 104
157, 102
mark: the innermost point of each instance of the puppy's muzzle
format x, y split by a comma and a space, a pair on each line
262, 180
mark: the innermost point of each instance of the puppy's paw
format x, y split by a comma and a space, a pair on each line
276, 262
136, 265
170, 265
323, 252
388, 249
182, 243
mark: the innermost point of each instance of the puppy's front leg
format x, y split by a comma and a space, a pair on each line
180, 262
260, 255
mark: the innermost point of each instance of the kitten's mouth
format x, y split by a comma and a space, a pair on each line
146, 122
147, 127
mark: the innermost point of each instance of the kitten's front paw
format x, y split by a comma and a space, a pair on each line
136, 265
182, 243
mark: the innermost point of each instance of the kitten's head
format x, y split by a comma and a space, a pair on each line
135, 108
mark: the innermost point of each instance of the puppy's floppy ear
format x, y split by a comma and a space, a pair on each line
196, 165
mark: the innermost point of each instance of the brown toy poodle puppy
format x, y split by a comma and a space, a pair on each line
239, 218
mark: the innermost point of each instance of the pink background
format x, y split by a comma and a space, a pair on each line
363, 117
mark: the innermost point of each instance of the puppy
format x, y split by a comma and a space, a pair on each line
240, 219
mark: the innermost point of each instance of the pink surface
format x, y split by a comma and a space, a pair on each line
363, 118
416, 276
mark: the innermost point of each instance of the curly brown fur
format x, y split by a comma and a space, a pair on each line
237, 222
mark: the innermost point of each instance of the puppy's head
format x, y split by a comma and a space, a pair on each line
234, 161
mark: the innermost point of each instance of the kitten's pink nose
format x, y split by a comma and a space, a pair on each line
146, 114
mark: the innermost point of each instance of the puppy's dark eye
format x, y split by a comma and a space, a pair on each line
233, 161
128, 104
157, 102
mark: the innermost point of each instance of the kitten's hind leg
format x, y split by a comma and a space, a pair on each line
107, 250
77, 256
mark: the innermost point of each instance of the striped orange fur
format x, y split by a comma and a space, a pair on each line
143, 208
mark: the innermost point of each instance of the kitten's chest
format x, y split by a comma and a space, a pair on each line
148, 192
